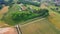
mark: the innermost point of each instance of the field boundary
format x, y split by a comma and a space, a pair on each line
30, 20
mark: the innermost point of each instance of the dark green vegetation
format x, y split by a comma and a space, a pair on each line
9, 2
56, 9
25, 15
12, 2
20, 16
14, 16
6, 3
1, 7
29, 2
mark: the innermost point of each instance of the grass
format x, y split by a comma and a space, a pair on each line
14, 16
39, 27
43, 26
54, 17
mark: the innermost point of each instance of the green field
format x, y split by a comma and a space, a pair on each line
48, 25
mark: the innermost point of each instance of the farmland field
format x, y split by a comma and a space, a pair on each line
49, 25
54, 17
40, 26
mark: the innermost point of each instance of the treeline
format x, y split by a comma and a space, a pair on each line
21, 16
10, 2
6, 3
29, 2
19, 1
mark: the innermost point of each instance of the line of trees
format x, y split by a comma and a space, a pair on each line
29, 2
21, 16
7, 3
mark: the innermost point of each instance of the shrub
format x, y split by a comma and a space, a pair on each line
14, 17
42, 12
1, 6
18, 17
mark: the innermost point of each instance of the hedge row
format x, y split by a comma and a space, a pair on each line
19, 16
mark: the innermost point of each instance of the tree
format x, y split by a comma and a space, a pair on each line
1, 7
44, 12
8, 2
29, 2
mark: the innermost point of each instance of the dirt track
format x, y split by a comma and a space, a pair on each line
2, 12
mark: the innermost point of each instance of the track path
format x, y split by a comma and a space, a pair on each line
2, 12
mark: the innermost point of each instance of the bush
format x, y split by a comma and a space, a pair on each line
23, 16
44, 12
18, 17
1, 7
14, 17
55, 9
29, 2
